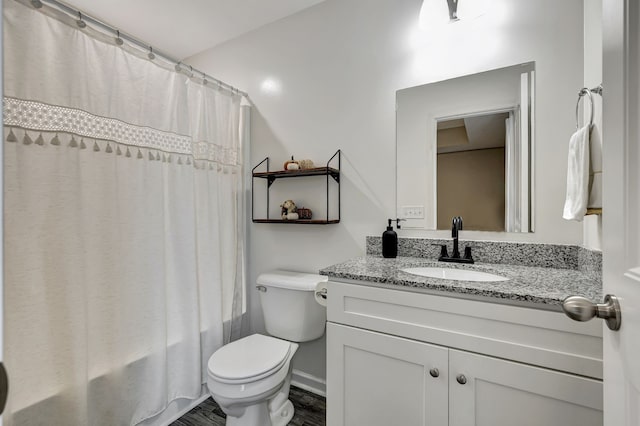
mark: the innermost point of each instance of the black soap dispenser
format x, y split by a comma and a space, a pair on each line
389, 242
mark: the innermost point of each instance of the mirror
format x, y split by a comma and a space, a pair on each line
464, 148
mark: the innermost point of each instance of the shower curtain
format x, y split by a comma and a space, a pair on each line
123, 206
512, 173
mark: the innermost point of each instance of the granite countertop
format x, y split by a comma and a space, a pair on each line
542, 287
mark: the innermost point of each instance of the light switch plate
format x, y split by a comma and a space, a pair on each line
412, 212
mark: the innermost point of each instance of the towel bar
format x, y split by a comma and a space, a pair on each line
581, 93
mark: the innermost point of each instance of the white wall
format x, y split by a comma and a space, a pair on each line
326, 78
592, 237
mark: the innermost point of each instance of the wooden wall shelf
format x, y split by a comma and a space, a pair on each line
299, 221
272, 176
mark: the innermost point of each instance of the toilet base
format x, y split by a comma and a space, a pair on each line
256, 415
252, 415
271, 408
283, 415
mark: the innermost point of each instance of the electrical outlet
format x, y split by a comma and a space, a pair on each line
413, 212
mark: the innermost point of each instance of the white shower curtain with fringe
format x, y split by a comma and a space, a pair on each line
123, 241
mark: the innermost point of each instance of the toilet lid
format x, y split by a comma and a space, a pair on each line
249, 357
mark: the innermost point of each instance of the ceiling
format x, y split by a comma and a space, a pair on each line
182, 28
472, 133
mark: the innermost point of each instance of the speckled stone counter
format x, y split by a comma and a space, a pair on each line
540, 287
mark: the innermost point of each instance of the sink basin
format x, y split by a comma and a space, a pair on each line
454, 274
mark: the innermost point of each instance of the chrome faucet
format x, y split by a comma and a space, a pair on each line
456, 226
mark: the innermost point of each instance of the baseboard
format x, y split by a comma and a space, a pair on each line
309, 382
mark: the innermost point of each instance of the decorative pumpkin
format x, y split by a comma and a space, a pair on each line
291, 164
304, 213
306, 164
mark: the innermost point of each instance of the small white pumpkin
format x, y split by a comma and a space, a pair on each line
289, 163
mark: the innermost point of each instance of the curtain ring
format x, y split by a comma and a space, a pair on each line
119, 41
151, 55
80, 22
584, 91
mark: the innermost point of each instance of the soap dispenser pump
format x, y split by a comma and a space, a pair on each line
390, 240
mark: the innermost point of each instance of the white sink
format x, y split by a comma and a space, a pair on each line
454, 274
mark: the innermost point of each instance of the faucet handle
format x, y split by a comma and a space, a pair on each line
467, 253
443, 252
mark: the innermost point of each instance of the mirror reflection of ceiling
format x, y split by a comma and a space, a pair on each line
472, 133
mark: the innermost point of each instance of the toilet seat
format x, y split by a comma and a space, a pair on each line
249, 359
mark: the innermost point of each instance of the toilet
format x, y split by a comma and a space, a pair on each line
250, 378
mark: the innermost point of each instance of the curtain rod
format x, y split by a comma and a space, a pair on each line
179, 65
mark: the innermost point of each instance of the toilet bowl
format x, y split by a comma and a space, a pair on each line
250, 378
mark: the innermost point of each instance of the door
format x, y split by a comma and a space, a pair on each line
3, 375
376, 379
621, 209
487, 391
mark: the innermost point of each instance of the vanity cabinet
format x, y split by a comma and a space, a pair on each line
401, 357
488, 391
378, 379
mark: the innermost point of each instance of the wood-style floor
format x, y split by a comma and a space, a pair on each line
309, 411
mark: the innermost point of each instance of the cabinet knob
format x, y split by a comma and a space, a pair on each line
461, 379
434, 372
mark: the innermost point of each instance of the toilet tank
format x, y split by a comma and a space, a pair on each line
289, 306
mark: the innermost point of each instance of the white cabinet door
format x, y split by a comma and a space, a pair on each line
375, 379
505, 393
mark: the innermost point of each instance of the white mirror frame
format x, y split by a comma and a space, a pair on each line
418, 111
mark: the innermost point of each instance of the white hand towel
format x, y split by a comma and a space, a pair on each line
595, 174
575, 206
